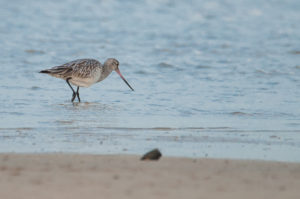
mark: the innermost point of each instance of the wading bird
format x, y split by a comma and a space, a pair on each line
84, 73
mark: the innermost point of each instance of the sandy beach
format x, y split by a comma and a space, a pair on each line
120, 176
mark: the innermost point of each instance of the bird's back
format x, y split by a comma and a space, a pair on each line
80, 68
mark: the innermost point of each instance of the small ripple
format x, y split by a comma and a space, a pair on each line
32, 51
12, 113
261, 72
35, 88
156, 105
166, 65
165, 50
17, 129
64, 121
162, 128
143, 72
203, 67
89, 106
294, 124
271, 73
295, 52
238, 113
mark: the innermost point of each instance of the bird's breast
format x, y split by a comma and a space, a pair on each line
86, 81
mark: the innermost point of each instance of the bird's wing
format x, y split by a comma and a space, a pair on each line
82, 68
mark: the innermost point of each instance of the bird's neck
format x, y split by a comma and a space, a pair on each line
106, 70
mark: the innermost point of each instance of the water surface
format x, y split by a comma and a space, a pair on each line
211, 78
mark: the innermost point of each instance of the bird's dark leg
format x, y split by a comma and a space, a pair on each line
74, 94
78, 93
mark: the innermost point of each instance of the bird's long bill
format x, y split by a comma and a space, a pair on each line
118, 71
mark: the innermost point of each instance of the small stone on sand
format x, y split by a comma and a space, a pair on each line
154, 154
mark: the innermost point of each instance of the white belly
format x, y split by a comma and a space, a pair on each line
86, 81
83, 82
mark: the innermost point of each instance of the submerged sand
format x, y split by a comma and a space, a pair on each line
119, 176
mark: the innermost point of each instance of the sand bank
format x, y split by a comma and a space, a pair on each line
118, 176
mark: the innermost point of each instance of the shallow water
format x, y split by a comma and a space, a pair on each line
211, 78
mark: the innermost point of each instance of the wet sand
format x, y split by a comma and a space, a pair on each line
120, 176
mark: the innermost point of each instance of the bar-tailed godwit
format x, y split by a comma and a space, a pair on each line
84, 73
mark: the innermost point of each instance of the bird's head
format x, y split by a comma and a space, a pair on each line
114, 65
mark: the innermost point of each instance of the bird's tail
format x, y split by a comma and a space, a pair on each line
44, 71
58, 71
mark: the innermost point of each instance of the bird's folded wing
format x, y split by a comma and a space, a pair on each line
81, 68
84, 68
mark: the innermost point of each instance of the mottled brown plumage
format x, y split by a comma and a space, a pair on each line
84, 72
